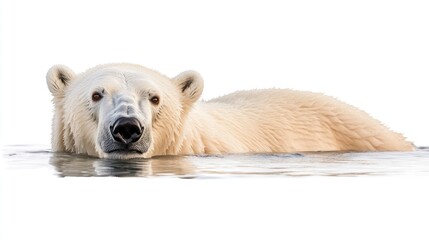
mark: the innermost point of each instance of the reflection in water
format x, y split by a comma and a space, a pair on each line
34, 159
84, 166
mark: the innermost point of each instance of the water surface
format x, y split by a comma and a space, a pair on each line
40, 160
252, 196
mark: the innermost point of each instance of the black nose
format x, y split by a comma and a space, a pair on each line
126, 130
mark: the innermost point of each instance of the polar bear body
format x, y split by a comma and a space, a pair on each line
167, 119
281, 120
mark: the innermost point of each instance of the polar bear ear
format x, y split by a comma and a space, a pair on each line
57, 78
190, 84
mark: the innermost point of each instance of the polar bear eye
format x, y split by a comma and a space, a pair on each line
154, 100
96, 97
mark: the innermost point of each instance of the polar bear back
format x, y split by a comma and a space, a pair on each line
282, 120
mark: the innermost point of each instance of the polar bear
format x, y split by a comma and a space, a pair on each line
129, 111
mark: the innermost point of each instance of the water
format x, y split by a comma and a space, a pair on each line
39, 160
46, 195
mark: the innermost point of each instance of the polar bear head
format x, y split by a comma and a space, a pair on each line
119, 110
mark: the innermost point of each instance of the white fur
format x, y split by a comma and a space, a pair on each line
257, 121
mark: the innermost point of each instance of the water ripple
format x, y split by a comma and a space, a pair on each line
39, 159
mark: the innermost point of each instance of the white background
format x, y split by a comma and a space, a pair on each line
372, 54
